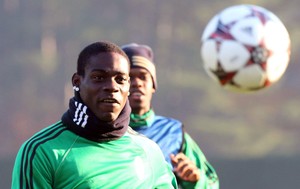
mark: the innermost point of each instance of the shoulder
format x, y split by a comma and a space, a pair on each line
49, 135
137, 136
165, 120
141, 139
41, 144
131, 131
49, 131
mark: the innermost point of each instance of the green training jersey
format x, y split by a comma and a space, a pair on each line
58, 158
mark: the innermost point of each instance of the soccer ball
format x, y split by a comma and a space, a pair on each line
245, 48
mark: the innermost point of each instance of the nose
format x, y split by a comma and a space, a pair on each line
111, 86
135, 82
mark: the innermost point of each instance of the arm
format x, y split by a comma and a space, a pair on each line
28, 172
192, 168
162, 171
166, 175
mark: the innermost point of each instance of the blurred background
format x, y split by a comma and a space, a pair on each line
252, 140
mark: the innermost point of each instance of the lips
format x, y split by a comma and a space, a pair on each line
136, 93
109, 100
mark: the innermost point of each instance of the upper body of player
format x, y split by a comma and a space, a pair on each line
180, 150
92, 147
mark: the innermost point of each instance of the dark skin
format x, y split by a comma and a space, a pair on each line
105, 86
141, 91
185, 168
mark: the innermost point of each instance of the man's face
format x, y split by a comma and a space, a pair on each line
105, 85
141, 90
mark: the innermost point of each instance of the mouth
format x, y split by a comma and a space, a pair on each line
136, 94
109, 101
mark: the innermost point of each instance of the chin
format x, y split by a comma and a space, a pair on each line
108, 117
134, 104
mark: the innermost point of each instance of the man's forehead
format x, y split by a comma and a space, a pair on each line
106, 63
109, 71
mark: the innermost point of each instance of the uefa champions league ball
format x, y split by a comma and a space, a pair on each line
245, 48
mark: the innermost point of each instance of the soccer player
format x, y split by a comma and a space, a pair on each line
180, 150
92, 145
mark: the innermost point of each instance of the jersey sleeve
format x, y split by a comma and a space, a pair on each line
208, 177
29, 171
166, 175
163, 175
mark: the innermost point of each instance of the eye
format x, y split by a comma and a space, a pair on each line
97, 78
121, 79
145, 77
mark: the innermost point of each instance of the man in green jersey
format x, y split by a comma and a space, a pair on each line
180, 150
92, 145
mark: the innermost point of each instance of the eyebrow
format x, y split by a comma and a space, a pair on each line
107, 71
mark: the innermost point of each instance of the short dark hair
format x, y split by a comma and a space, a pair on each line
94, 49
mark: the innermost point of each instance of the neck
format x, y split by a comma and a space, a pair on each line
90, 127
140, 111
146, 119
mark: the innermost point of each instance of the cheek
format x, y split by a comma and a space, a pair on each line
149, 87
86, 94
125, 88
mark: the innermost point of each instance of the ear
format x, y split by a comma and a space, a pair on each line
129, 81
76, 79
153, 90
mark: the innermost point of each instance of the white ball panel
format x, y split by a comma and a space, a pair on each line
276, 37
231, 14
248, 31
209, 54
246, 27
276, 66
251, 76
210, 28
233, 55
